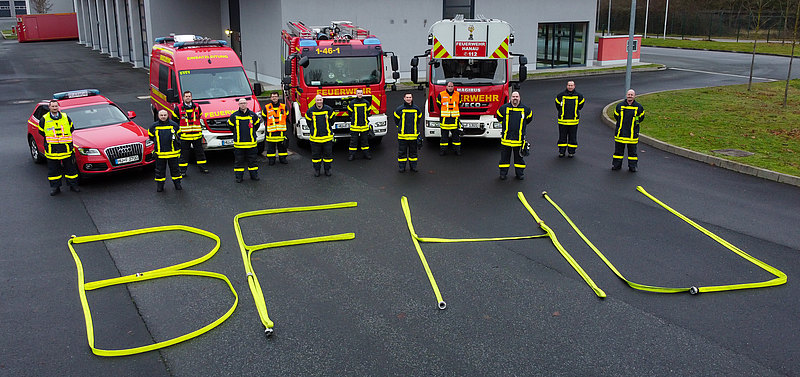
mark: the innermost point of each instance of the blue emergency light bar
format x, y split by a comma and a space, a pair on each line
202, 42
372, 41
76, 94
307, 43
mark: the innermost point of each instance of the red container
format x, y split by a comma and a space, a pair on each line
47, 27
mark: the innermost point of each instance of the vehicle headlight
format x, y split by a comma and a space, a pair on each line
148, 143
304, 127
496, 125
380, 124
88, 151
433, 124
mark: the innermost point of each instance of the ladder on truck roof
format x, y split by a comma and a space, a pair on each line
338, 29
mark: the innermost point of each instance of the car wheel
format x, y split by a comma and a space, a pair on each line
36, 155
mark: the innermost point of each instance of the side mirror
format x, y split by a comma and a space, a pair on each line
287, 67
394, 63
396, 75
131, 114
286, 80
523, 60
171, 96
414, 61
257, 89
303, 61
414, 74
523, 73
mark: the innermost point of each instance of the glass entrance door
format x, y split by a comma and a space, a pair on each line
561, 45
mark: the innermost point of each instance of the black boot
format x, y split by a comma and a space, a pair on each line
177, 184
271, 161
203, 169
74, 188
316, 172
159, 186
282, 160
55, 191
254, 175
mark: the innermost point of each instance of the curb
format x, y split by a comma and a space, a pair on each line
708, 159
597, 72
715, 50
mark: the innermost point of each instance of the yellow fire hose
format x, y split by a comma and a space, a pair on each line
247, 251
780, 276
599, 292
416, 239
176, 270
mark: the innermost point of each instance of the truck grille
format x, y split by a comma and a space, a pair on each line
125, 150
218, 125
340, 104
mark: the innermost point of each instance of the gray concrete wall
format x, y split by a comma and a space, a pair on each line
525, 16
261, 38
199, 17
60, 6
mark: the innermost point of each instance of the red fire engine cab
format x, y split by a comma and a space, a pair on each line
334, 61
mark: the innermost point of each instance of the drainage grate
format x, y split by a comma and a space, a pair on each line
733, 152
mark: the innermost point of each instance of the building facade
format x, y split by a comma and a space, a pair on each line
550, 33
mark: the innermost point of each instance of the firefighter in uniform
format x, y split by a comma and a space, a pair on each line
514, 118
189, 115
57, 128
407, 118
629, 114
243, 124
319, 121
448, 101
359, 109
274, 115
164, 133
568, 104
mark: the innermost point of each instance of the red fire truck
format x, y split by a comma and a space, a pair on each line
212, 72
475, 56
334, 61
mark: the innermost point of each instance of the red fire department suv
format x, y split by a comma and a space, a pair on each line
105, 138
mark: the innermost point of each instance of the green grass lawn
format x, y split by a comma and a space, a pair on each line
764, 48
8, 35
730, 117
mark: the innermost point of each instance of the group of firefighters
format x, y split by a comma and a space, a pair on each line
179, 137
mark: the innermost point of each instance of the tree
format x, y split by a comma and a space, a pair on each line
756, 6
791, 57
41, 6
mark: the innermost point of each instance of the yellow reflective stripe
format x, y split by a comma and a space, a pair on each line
176, 270
55, 178
160, 179
522, 166
247, 250
71, 176
504, 165
599, 292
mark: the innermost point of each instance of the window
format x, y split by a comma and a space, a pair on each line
163, 78
5, 8
469, 72
356, 70
453, 7
561, 45
20, 8
216, 83
40, 111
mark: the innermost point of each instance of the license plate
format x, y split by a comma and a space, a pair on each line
470, 125
226, 142
340, 125
125, 160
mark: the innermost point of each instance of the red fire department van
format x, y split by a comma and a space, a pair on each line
212, 72
334, 61
475, 56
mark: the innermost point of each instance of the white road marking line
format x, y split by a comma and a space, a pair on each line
721, 74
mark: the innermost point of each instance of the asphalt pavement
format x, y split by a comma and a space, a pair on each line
365, 306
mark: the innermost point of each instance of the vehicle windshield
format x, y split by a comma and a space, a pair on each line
95, 116
343, 71
469, 72
215, 82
